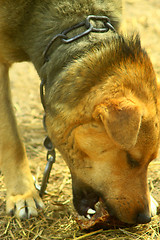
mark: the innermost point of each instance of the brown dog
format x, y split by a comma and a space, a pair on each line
100, 103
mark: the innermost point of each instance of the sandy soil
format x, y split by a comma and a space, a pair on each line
57, 221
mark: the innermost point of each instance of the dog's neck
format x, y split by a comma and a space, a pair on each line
60, 54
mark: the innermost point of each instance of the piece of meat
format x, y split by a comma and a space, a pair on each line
100, 220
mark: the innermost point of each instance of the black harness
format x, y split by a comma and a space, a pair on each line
51, 155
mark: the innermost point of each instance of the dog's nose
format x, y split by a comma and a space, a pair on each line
143, 218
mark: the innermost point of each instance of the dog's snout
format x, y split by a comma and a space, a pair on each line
143, 218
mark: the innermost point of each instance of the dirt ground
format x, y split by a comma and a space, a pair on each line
57, 221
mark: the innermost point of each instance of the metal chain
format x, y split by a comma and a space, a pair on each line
89, 28
51, 155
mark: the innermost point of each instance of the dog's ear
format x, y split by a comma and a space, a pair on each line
121, 119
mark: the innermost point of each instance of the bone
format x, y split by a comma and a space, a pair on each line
91, 211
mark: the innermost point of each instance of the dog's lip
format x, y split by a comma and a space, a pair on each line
92, 208
84, 202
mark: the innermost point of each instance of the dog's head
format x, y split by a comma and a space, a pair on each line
104, 121
116, 149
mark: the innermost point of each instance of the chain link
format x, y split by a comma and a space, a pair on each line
89, 28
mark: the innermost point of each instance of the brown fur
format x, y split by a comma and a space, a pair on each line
101, 107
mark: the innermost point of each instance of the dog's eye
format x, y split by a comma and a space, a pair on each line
131, 161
